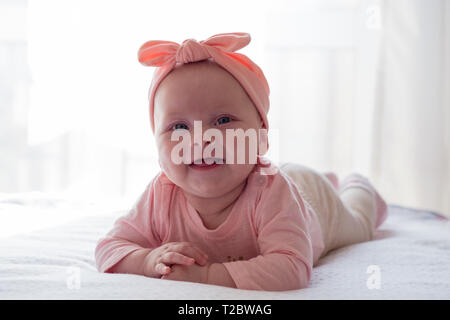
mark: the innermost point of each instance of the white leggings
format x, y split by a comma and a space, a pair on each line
346, 217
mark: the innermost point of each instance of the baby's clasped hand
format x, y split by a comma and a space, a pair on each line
159, 260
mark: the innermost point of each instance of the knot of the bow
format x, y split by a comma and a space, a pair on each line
191, 51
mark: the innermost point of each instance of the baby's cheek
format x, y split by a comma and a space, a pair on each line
177, 151
174, 171
164, 149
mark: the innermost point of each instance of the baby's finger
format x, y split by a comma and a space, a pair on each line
193, 252
161, 268
176, 258
201, 257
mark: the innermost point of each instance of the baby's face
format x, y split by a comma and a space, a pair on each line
205, 92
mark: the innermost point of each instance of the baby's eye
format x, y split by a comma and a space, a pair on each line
180, 126
224, 119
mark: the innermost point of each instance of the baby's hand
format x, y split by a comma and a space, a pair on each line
158, 262
192, 273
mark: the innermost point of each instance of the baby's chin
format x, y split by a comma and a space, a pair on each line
211, 191
209, 186
213, 182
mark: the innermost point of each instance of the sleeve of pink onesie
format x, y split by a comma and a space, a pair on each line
286, 255
131, 232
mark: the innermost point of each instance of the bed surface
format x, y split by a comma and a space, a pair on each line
411, 252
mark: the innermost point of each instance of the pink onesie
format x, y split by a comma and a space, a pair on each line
270, 240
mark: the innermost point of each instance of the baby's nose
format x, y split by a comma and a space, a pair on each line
200, 136
199, 141
205, 138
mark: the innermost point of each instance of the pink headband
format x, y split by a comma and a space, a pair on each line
220, 47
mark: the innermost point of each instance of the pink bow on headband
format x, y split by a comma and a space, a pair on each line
158, 52
220, 47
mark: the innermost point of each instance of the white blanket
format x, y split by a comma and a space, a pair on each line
409, 259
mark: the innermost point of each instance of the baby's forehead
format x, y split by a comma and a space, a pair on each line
206, 70
198, 82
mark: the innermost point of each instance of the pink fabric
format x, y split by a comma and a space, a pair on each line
220, 47
270, 240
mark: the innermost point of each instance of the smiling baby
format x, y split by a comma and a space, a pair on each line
214, 214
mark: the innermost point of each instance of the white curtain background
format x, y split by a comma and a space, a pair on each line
356, 85
412, 110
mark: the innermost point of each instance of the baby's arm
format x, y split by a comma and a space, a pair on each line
219, 275
132, 263
270, 272
126, 250
134, 245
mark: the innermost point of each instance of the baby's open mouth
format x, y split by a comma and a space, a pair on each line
206, 163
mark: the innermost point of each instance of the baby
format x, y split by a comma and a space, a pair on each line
208, 217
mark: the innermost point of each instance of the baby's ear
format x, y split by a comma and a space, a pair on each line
263, 140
